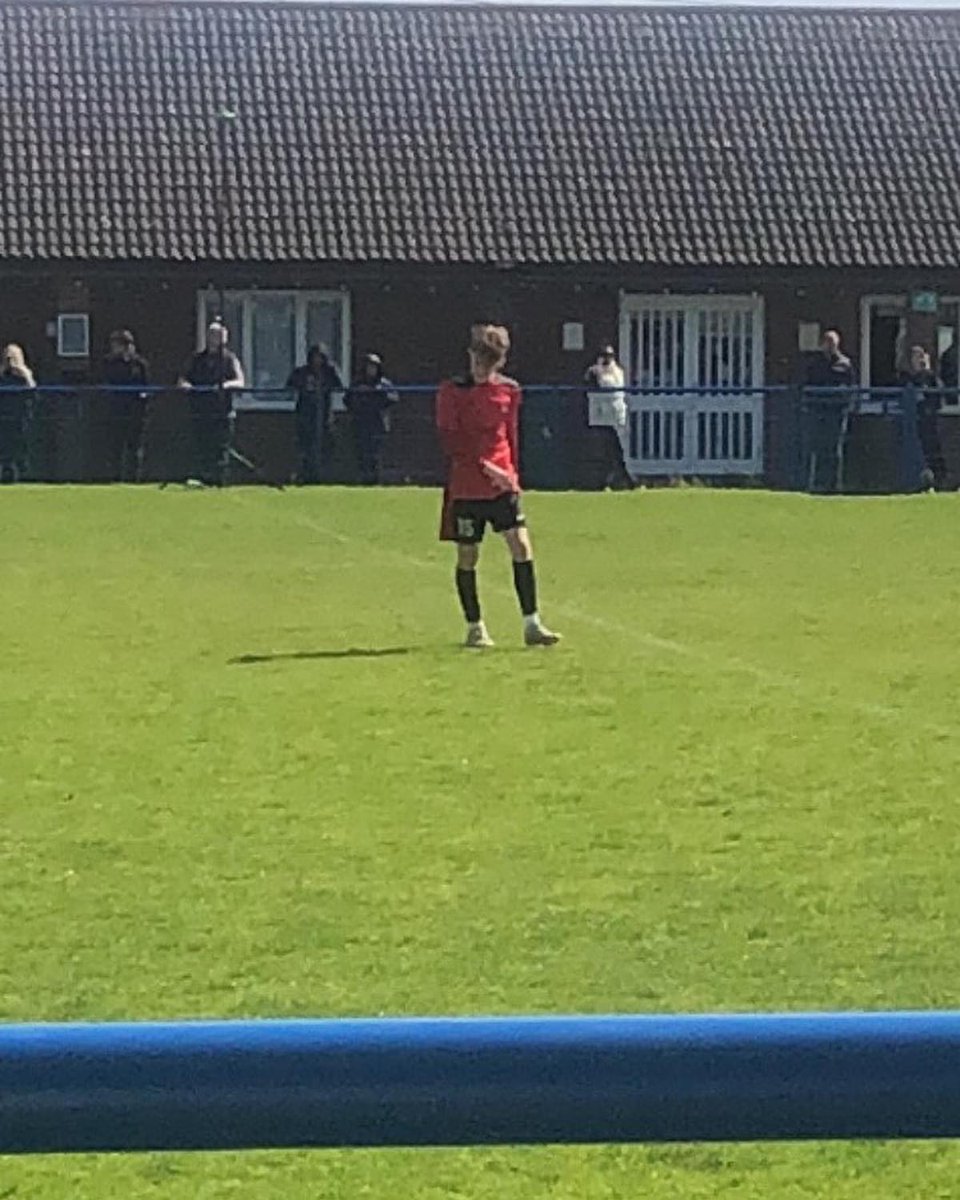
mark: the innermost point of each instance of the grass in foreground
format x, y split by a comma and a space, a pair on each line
732, 788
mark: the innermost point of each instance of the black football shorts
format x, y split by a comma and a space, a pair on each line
471, 517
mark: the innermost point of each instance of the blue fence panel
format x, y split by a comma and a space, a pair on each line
830, 420
822, 440
472, 1082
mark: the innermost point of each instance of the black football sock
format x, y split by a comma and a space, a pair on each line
467, 591
525, 581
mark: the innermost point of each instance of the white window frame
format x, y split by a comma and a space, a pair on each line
62, 319
633, 302
302, 298
881, 300
867, 304
698, 409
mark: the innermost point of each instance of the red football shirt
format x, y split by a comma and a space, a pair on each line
477, 423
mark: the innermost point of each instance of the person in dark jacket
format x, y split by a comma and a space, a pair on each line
16, 380
212, 375
315, 383
124, 368
919, 376
368, 402
829, 368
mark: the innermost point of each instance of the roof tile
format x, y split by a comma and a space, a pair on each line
436, 134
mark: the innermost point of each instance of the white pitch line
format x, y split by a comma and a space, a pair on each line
718, 663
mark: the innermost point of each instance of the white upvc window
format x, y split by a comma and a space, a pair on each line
883, 336
692, 341
271, 331
689, 345
73, 335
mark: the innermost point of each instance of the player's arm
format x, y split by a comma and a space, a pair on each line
513, 430
503, 480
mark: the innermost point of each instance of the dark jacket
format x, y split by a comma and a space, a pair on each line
13, 415
927, 405
118, 371
315, 389
211, 368
835, 371
11, 378
369, 402
918, 379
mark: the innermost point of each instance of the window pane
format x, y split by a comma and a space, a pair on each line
74, 336
325, 328
947, 328
274, 339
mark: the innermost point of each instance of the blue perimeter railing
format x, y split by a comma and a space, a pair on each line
769, 389
59, 430
473, 1082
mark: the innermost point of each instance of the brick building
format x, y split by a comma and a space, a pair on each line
711, 186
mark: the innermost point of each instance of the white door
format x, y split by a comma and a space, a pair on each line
676, 347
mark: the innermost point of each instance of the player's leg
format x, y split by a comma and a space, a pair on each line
535, 633
469, 530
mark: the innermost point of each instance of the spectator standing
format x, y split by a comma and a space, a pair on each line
920, 376
124, 368
315, 383
829, 368
369, 402
16, 381
607, 414
211, 376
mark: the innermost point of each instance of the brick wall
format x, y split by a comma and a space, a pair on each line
418, 319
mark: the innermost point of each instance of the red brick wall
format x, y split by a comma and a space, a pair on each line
418, 319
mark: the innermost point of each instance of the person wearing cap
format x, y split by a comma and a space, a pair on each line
314, 383
607, 414
369, 401
125, 369
211, 375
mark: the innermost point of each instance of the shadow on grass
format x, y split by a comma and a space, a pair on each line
246, 660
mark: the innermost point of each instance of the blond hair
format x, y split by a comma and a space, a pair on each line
14, 357
490, 343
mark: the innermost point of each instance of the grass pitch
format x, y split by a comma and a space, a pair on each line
733, 787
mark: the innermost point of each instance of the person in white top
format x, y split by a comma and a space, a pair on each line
607, 413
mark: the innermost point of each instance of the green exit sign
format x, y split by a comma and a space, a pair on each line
924, 302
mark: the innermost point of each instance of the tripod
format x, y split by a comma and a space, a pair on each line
233, 455
228, 452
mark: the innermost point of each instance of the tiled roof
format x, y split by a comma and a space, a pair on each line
481, 134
